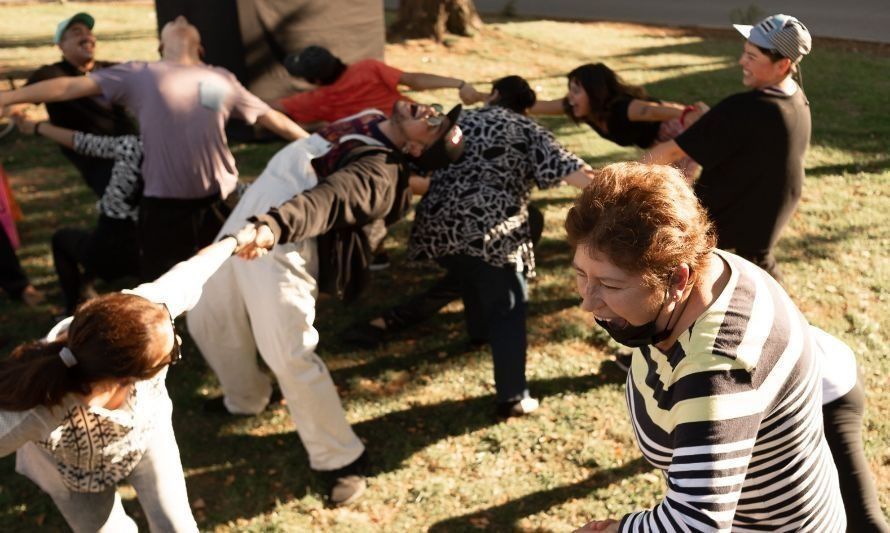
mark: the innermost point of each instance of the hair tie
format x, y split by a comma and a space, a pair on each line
67, 357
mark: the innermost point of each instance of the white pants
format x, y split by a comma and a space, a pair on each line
158, 480
269, 304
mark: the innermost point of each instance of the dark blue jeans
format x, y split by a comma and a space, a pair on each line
495, 308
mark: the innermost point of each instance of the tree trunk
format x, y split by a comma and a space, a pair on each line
431, 18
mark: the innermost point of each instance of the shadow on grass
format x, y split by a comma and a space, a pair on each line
504, 517
871, 167
261, 471
823, 245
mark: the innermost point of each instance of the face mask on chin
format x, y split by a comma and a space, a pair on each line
645, 334
637, 336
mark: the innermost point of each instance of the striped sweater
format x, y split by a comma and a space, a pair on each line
733, 417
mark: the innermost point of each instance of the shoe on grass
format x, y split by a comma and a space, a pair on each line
217, 405
379, 262
348, 483
505, 410
365, 335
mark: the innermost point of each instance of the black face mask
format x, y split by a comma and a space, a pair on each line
638, 336
645, 334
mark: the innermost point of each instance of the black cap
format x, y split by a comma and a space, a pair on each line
447, 149
313, 63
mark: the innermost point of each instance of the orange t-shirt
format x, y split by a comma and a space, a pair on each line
368, 84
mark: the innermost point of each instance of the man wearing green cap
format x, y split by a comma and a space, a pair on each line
74, 37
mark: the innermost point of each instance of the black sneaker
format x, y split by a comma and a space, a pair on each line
216, 405
365, 335
347, 484
379, 262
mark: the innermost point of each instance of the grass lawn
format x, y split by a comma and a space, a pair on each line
423, 403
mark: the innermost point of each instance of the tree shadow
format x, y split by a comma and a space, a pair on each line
815, 246
872, 167
504, 517
226, 467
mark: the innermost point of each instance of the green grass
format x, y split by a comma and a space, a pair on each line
423, 403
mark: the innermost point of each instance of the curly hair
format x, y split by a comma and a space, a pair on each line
645, 219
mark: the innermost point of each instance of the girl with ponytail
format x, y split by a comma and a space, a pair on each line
86, 407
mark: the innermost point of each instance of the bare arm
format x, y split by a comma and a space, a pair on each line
579, 178
54, 90
63, 136
278, 123
547, 107
663, 154
643, 111
275, 104
422, 81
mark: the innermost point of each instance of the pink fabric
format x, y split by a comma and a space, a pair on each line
8, 210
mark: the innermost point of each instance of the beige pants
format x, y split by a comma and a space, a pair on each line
269, 305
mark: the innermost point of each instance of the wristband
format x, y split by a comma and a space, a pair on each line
685, 112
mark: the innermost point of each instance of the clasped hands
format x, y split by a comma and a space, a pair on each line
253, 241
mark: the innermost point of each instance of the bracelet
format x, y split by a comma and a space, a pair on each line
37, 127
685, 112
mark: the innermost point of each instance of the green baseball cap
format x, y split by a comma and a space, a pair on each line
84, 18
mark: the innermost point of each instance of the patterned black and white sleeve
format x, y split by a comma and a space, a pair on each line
102, 146
551, 160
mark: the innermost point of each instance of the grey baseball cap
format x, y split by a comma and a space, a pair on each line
84, 18
782, 33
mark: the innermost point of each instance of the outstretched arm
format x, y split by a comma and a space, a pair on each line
43, 128
421, 81
54, 90
547, 107
278, 123
663, 154
580, 178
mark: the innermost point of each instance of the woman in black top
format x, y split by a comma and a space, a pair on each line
620, 112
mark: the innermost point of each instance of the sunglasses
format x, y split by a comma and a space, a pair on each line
437, 119
175, 354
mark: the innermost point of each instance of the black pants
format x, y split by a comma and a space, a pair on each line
424, 305
13, 279
109, 252
843, 431
172, 230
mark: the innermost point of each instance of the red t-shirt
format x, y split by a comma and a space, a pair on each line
368, 84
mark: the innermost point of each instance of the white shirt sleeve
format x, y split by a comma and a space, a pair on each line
838, 364
180, 288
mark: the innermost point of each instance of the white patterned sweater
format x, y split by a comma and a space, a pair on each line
95, 448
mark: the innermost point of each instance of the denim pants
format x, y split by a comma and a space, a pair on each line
495, 308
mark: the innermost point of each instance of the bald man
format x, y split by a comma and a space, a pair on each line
182, 105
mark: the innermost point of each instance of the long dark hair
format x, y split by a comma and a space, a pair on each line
514, 93
111, 337
603, 87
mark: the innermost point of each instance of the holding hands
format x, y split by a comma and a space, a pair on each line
469, 95
253, 241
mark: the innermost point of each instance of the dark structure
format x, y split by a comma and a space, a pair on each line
251, 37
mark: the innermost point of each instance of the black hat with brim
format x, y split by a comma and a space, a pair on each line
447, 149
